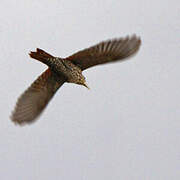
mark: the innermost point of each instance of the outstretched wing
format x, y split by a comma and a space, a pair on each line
34, 100
107, 51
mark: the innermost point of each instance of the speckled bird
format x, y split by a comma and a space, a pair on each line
60, 70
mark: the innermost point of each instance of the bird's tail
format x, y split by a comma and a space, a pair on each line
40, 55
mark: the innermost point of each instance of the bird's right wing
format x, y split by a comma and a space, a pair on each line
106, 51
34, 100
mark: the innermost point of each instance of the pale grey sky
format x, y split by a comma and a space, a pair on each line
127, 127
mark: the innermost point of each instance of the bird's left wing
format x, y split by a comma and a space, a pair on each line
34, 100
106, 51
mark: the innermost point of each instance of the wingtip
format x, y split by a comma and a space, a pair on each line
14, 120
19, 121
138, 38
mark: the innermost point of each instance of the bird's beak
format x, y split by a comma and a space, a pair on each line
86, 86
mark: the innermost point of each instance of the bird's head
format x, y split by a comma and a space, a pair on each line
82, 81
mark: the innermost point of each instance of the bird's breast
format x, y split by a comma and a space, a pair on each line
67, 69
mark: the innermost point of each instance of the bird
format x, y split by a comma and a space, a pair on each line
34, 100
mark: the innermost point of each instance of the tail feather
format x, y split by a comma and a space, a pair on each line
40, 55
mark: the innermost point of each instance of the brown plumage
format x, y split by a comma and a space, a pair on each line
34, 100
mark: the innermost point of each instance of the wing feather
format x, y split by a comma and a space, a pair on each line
106, 51
34, 100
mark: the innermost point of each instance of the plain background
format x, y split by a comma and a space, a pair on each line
127, 127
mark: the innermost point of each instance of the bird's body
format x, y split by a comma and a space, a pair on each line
34, 100
62, 67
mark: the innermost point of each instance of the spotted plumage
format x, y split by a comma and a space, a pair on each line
34, 100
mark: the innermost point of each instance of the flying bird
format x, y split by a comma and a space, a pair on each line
60, 70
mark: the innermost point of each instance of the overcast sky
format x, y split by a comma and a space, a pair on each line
127, 127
